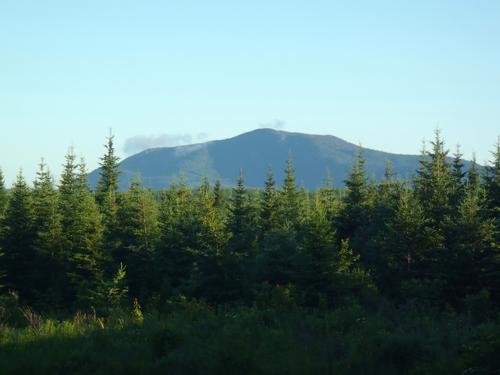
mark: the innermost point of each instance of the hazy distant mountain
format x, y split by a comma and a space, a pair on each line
254, 152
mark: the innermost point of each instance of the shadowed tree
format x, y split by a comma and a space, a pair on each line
3, 194
17, 238
107, 198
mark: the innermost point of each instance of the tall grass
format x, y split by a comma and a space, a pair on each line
193, 338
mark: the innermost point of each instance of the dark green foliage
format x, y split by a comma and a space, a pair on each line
283, 279
107, 198
81, 235
3, 194
137, 220
355, 200
17, 239
269, 204
109, 172
191, 337
48, 245
492, 183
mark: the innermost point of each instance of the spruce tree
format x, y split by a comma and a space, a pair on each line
241, 223
355, 200
329, 198
434, 183
108, 200
269, 205
290, 208
473, 178
216, 271
472, 265
109, 172
492, 184
17, 239
408, 244
175, 258
82, 235
139, 234
316, 265
48, 243
458, 179
3, 194
218, 195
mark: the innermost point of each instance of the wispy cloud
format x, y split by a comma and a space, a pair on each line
276, 124
143, 142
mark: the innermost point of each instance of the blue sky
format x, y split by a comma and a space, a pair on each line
380, 73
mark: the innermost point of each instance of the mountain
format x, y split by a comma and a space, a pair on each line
314, 156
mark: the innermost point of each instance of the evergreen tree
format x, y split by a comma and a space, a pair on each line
269, 205
408, 244
471, 264
279, 246
109, 172
329, 198
48, 243
434, 183
219, 202
355, 201
290, 208
17, 237
458, 176
492, 184
82, 235
473, 178
175, 258
3, 194
241, 223
316, 265
107, 198
139, 234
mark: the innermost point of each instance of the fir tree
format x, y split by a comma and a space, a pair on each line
268, 205
355, 201
290, 197
471, 264
139, 234
408, 243
3, 194
18, 235
492, 184
458, 176
107, 198
241, 224
473, 178
109, 172
82, 235
48, 243
175, 257
434, 183
316, 265
218, 195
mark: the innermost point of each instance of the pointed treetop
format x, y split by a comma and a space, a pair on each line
458, 164
389, 171
289, 184
109, 173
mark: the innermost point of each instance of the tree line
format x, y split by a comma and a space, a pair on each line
434, 239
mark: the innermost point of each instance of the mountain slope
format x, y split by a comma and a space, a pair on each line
254, 152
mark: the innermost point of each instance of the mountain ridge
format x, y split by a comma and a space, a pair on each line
254, 152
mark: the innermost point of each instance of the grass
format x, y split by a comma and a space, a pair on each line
193, 338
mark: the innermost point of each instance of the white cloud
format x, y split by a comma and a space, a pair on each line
276, 124
139, 143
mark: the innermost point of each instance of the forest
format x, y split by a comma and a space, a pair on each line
393, 276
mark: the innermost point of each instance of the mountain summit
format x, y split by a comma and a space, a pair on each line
314, 156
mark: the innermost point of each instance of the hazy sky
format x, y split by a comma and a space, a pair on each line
380, 73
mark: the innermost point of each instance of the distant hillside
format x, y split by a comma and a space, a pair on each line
254, 152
